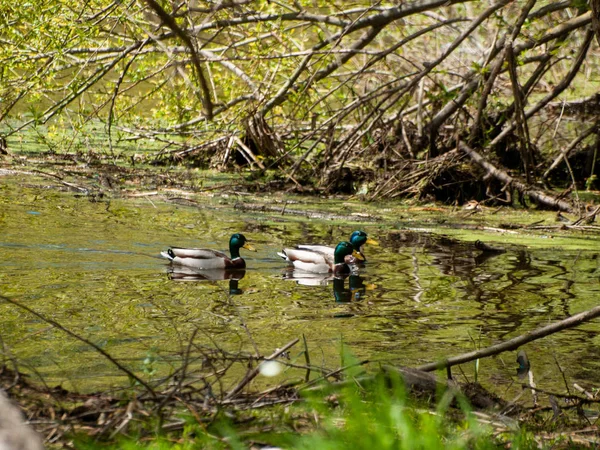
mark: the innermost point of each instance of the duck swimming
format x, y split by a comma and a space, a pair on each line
316, 261
357, 239
207, 259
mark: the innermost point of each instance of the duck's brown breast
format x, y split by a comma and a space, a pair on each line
237, 263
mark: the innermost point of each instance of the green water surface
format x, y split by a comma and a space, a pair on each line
94, 268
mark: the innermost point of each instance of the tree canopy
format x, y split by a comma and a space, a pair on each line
313, 87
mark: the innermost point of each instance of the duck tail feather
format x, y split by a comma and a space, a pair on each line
168, 254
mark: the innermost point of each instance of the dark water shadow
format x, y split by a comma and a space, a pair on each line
181, 273
347, 288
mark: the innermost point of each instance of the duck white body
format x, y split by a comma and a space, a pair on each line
199, 258
322, 262
357, 239
326, 250
308, 260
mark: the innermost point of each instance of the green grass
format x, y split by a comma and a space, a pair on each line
380, 416
383, 418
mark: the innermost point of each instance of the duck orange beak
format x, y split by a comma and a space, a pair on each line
357, 255
248, 246
372, 242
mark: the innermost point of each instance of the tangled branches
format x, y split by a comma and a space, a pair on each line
312, 91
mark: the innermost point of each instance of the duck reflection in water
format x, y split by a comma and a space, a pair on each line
355, 291
182, 273
307, 278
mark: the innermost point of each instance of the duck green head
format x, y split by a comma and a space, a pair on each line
344, 249
360, 238
237, 241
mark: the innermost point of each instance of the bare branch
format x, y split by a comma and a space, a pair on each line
516, 342
170, 22
559, 88
507, 180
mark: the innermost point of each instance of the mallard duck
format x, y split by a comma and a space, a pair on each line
357, 239
316, 261
206, 259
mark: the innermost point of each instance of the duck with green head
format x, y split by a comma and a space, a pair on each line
357, 239
207, 259
316, 261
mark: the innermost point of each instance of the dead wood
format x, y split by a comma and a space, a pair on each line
523, 188
298, 212
252, 373
516, 342
261, 138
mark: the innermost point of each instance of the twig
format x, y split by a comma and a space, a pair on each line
60, 180
86, 341
504, 177
555, 394
589, 395
516, 342
250, 375
170, 22
333, 373
306, 358
574, 143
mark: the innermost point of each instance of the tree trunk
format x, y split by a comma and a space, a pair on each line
596, 17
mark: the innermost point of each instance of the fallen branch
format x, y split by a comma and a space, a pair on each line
254, 372
356, 217
514, 343
58, 326
523, 188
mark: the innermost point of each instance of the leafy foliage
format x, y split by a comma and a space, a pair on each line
331, 83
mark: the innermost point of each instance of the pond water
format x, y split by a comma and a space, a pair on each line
93, 267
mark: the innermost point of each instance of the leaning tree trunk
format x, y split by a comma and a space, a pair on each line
596, 17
